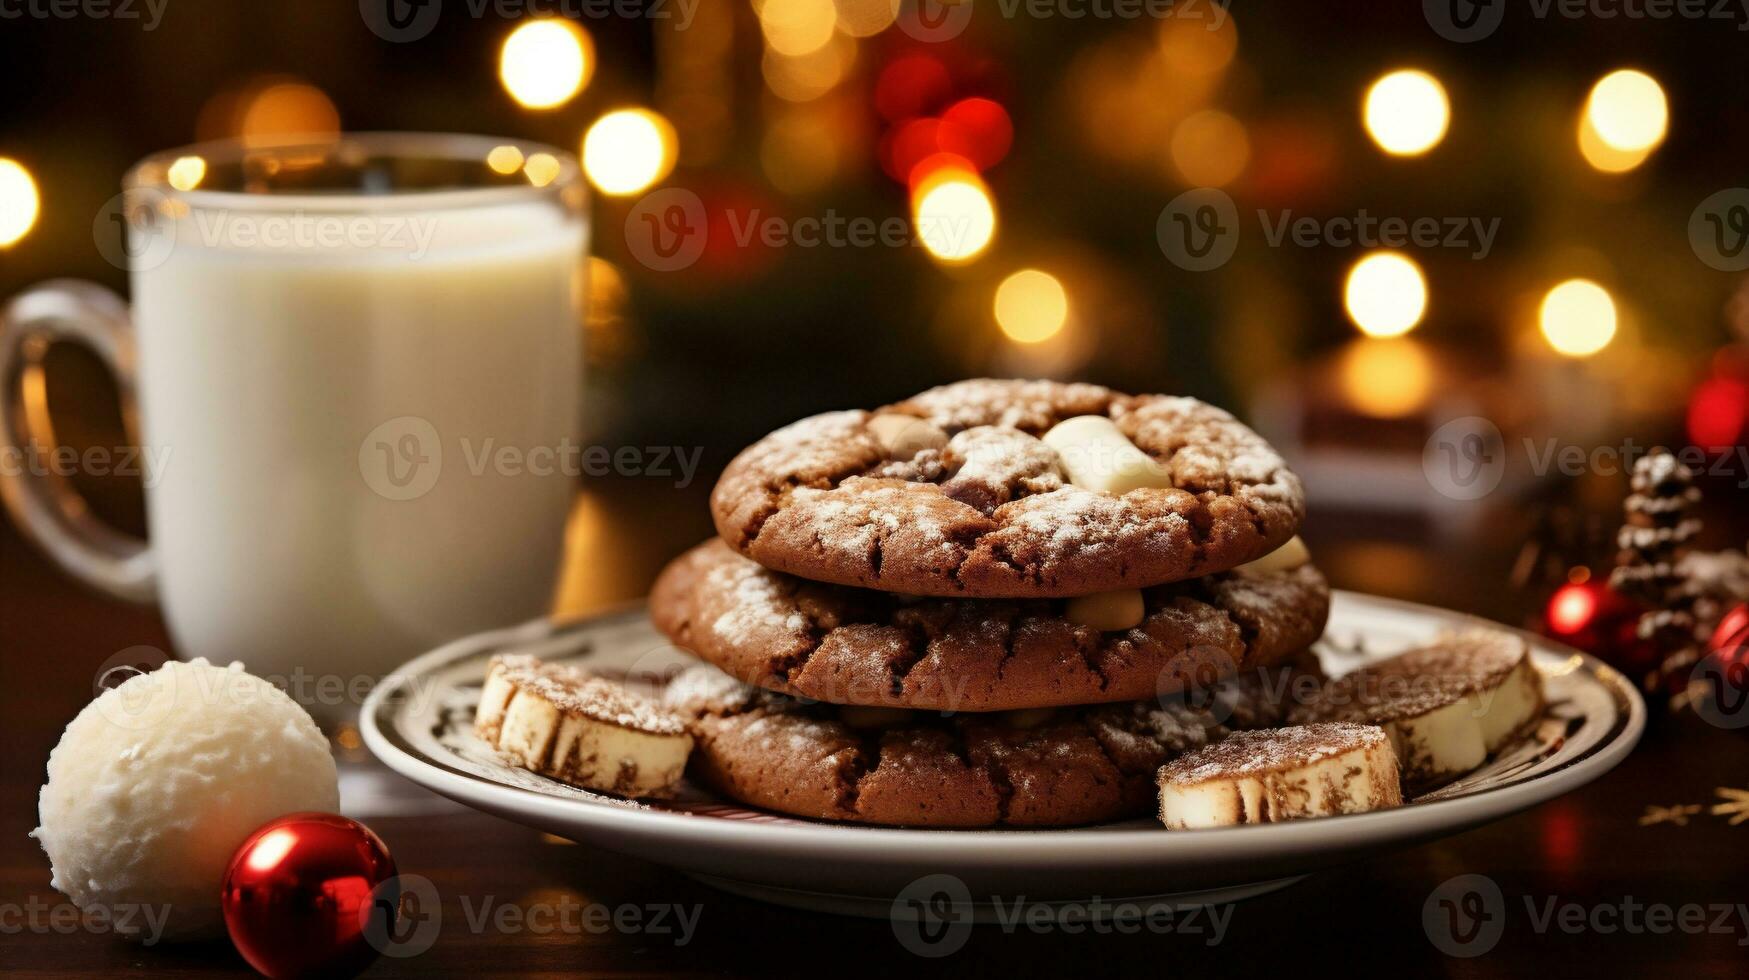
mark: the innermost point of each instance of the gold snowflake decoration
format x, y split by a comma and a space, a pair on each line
1735, 806
1677, 815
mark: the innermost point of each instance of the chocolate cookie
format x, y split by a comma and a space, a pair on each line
921, 769
856, 646
973, 490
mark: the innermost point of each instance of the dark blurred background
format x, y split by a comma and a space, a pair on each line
1076, 132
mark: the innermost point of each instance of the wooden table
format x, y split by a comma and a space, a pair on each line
1595, 849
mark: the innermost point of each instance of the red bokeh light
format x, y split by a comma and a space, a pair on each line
911, 85
1572, 608
978, 129
1717, 411
936, 163
908, 143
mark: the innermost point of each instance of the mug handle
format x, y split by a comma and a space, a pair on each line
43, 503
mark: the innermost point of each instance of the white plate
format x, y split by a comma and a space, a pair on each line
418, 722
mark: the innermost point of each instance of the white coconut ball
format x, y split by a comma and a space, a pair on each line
157, 781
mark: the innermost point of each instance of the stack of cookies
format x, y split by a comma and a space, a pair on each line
995, 603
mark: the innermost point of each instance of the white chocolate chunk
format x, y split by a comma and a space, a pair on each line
1105, 611
1446, 707
1272, 775
1097, 456
583, 730
1506, 710
1289, 556
904, 436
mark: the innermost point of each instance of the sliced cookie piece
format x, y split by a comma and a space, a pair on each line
856, 646
970, 499
566, 723
1446, 706
924, 769
1281, 774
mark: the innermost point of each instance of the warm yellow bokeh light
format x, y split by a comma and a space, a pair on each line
1385, 295
866, 18
541, 169
1604, 157
504, 159
288, 109
1578, 318
186, 173
796, 27
628, 150
1386, 377
545, 63
954, 215
809, 76
1031, 306
19, 203
1191, 46
1407, 112
1210, 149
799, 152
1627, 111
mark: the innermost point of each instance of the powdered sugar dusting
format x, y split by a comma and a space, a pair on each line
1271, 750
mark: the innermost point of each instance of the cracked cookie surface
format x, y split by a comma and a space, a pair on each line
991, 514
854, 646
1070, 766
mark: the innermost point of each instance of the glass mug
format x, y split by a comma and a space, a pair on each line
333, 346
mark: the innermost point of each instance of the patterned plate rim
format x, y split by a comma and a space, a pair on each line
385, 739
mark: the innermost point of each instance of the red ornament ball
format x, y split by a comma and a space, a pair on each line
1720, 682
1595, 618
311, 894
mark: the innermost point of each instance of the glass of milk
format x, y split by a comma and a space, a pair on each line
354, 362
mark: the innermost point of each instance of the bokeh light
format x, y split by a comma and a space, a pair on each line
796, 27
1031, 306
866, 18
1601, 155
978, 129
186, 173
19, 202
287, 108
1193, 45
541, 169
504, 159
628, 150
799, 152
1627, 111
1386, 377
1407, 112
801, 78
953, 214
546, 62
1210, 149
1578, 318
1386, 294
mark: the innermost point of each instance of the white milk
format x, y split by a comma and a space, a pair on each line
275, 352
